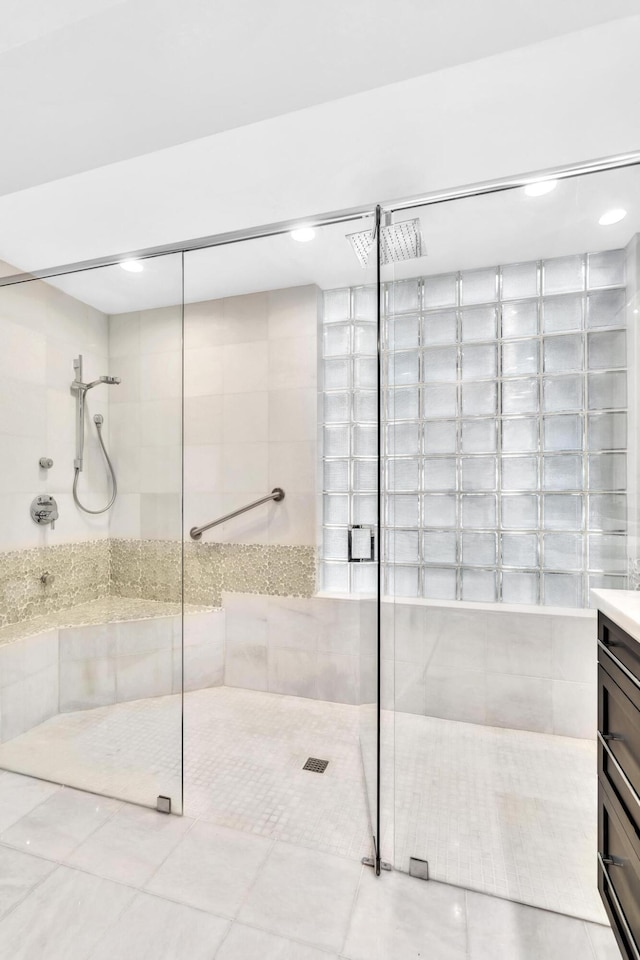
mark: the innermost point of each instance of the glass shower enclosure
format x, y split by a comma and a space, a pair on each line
142, 657
368, 469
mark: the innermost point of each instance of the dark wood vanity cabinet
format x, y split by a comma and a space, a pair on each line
619, 782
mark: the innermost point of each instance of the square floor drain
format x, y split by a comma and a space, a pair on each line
317, 766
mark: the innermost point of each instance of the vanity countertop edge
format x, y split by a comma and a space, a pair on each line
621, 606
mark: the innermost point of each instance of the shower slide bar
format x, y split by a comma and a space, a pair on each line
276, 494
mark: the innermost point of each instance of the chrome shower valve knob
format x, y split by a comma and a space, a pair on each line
44, 510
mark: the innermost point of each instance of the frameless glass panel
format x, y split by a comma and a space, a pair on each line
527, 484
281, 394
90, 438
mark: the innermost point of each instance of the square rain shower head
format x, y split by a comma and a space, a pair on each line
398, 241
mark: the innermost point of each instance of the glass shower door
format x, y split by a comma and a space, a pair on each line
90, 530
280, 536
512, 466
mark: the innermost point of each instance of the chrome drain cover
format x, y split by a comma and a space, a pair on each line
315, 765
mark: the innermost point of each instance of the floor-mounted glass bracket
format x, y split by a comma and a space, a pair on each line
163, 804
418, 868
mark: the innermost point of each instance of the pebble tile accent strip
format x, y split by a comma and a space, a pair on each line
79, 571
149, 570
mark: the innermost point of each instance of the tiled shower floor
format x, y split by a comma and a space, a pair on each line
501, 811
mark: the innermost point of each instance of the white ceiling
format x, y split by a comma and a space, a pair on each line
493, 229
565, 99
87, 83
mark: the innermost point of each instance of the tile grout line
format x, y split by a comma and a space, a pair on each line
263, 862
28, 892
467, 933
354, 900
26, 776
590, 941
63, 861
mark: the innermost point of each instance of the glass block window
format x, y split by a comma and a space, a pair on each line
504, 428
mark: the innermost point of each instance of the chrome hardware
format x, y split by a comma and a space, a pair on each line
80, 389
604, 862
47, 578
44, 510
625, 779
418, 868
361, 544
163, 804
46, 463
619, 664
276, 494
370, 862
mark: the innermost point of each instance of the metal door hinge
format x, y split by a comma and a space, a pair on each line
370, 862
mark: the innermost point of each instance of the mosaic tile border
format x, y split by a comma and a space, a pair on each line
79, 573
147, 570
151, 569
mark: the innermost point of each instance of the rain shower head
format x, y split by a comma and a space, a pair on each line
398, 241
111, 380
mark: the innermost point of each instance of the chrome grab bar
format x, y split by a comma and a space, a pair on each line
276, 494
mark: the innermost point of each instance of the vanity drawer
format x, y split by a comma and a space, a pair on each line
619, 743
616, 645
619, 871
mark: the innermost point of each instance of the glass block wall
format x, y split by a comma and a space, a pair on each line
505, 431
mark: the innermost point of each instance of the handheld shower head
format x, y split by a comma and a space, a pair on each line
110, 381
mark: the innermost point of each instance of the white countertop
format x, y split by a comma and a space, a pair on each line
621, 606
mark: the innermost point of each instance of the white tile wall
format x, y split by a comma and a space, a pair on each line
524, 670
250, 419
250, 413
79, 668
145, 423
42, 331
250, 386
306, 647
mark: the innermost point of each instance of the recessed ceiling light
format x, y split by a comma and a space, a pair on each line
303, 235
540, 187
612, 216
133, 266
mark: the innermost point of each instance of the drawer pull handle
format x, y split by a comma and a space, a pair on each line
620, 664
625, 778
618, 907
